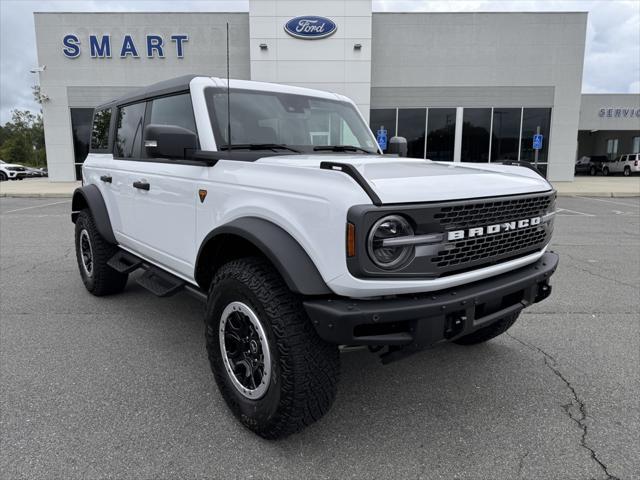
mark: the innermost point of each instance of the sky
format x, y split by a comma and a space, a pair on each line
612, 57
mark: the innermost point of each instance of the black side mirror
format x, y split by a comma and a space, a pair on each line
398, 146
169, 141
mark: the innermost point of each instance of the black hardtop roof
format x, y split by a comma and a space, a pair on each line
166, 87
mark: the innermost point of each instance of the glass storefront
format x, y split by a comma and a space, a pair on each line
81, 120
505, 136
383, 118
488, 134
535, 120
411, 126
476, 132
441, 134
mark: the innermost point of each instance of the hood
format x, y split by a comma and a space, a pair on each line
408, 180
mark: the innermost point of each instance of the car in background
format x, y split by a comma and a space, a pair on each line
36, 172
624, 164
10, 171
590, 164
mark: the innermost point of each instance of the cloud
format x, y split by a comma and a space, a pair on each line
611, 65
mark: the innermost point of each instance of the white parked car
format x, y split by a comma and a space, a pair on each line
11, 171
624, 164
279, 210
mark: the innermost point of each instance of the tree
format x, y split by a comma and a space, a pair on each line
22, 139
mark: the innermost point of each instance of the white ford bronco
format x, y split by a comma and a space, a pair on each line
276, 206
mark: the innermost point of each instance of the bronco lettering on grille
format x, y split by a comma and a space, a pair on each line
491, 229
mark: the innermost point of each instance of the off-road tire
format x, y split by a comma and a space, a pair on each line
304, 368
104, 280
487, 333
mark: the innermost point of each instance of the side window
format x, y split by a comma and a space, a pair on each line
129, 131
100, 129
174, 110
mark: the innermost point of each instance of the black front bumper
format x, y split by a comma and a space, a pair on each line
421, 320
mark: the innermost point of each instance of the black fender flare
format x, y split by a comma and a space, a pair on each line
279, 247
90, 197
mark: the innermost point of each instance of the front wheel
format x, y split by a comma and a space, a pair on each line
93, 252
627, 171
3, 177
274, 372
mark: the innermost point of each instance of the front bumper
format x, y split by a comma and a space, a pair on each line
421, 320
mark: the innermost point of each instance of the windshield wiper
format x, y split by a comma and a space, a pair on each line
258, 146
341, 148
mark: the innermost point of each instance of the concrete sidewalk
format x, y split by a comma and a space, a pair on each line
582, 186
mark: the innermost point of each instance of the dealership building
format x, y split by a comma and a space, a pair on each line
472, 87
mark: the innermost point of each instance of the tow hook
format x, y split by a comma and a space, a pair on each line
454, 324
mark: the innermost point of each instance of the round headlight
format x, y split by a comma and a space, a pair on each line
389, 256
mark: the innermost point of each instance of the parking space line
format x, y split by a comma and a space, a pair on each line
36, 206
609, 201
573, 211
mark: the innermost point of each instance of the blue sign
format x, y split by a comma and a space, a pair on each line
310, 27
381, 137
537, 141
101, 46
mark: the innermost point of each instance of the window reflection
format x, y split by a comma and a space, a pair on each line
532, 118
411, 123
383, 118
441, 131
476, 128
506, 134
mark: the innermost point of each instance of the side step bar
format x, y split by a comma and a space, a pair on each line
154, 279
160, 283
124, 262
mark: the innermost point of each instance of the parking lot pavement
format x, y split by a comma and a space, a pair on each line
120, 387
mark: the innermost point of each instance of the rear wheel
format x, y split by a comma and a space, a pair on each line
627, 171
487, 333
276, 375
93, 252
605, 171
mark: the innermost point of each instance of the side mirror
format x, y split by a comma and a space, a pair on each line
169, 141
398, 146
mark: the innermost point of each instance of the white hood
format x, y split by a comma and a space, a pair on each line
406, 180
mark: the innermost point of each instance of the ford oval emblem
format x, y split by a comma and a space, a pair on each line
310, 27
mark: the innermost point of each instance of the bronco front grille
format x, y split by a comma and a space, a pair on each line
476, 252
496, 211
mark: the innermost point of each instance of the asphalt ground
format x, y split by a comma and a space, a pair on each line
120, 387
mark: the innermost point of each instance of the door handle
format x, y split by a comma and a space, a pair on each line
106, 178
141, 185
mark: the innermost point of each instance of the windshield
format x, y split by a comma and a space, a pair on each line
295, 121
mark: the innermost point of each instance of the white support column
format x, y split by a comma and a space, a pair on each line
457, 143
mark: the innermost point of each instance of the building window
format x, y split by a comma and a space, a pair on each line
383, 118
636, 145
612, 147
441, 132
506, 134
476, 131
174, 110
129, 131
100, 129
532, 120
411, 123
81, 121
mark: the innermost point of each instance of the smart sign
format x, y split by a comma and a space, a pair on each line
103, 46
